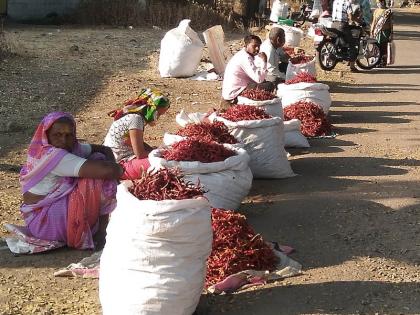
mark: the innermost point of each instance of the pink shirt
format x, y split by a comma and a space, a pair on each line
240, 71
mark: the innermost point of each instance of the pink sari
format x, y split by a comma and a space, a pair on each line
70, 212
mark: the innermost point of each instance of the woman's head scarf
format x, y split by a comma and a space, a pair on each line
146, 104
42, 157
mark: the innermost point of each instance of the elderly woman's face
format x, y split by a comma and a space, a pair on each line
61, 135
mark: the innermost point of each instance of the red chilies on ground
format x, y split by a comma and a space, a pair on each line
236, 247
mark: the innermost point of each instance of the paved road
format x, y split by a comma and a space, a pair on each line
353, 213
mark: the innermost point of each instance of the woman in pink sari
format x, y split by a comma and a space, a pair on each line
68, 188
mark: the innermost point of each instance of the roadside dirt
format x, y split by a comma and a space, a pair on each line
352, 215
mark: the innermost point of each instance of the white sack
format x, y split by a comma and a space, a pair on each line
293, 35
226, 183
272, 107
316, 9
279, 10
184, 118
154, 260
264, 142
180, 51
293, 137
293, 70
317, 93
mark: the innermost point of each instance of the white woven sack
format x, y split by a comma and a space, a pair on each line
184, 118
293, 35
154, 260
226, 183
317, 93
180, 51
264, 142
293, 137
272, 107
279, 10
293, 70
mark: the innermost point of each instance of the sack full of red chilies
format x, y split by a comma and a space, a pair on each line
313, 119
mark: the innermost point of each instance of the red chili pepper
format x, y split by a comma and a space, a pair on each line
244, 112
236, 247
301, 58
164, 184
302, 77
197, 150
312, 117
258, 94
216, 131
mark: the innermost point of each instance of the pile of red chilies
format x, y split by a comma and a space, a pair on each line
313, 120
197, 150
216, 131
302, 77
258, 94
163, 185
244, 112
236, 247
300, 59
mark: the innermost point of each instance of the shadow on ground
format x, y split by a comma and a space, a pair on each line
340, 297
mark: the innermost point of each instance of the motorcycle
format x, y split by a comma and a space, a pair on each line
332, 48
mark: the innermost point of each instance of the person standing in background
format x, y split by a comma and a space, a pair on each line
382, 29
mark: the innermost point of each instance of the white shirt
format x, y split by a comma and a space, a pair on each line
240, 71
69, 166
118, 135
273, 59
341, 9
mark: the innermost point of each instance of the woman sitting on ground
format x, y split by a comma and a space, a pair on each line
126, 134
69, 188
382, 29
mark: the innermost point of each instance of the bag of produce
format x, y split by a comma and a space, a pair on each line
263, 138
157, 244
222, 170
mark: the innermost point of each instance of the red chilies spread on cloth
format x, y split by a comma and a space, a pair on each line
215, 131
236, 247
197, 150
313, 119
163, 185
244, 112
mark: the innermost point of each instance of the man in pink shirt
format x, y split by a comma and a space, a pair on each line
246, 69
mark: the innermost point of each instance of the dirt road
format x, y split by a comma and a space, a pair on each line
352, 214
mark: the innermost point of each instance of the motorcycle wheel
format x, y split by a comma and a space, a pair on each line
327, 55
370, 57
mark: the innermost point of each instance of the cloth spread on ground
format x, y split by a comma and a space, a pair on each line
89, 268
21, 241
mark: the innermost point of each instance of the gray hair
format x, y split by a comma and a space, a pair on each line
276, 32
